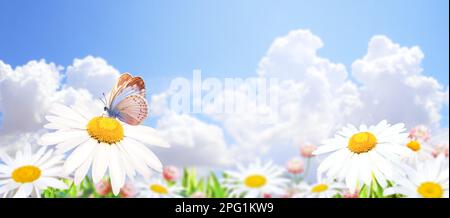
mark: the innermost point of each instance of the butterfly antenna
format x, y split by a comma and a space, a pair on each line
101, 99
104, 96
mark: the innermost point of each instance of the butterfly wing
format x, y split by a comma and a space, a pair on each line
126, 85
133, 109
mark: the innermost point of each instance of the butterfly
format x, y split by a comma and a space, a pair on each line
127, 101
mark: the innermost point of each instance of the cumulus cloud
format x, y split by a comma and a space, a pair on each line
317, 96
27, 92
393, 86
93, 74
193, 142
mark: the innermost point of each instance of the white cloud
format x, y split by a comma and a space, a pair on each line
393, 86
193, 142
318, 96
93, 74
27, 92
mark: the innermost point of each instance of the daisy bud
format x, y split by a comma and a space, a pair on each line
306, 151
295, 166
170, 173
127, 191
103, 187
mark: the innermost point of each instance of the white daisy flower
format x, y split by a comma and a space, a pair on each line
157, 188
429, 180
103, 142
322, 189
359, 155
256, 180
28, 174
419, 151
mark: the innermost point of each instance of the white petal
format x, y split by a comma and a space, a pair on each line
38, 154
100, 163
115, 170
44, 157
81, 172
6, 158
52, 182
27, 151
146, 135
79, 155
331, 160
143, 152
4, 169
68, 145
24, 190
351, 179
52, 162
63, 111
327, 148
66, 123
60, 136
140, 166
9, 186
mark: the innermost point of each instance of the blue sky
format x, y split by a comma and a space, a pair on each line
164, 39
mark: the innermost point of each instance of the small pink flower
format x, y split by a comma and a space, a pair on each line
306, 151
435, 152
170, 173
127, 191
440, 149
419, 133
295, 166
103, 187
348, 194
198, 194
266, 195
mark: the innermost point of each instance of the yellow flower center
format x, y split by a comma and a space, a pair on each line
160, 189
26, 174
413, 145
362, 142
430, 190
319, 188
105, 129
255, 181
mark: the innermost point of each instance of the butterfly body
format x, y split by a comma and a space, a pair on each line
127, 101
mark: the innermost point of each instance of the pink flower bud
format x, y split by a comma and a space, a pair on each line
348, 194
295, 166
435, 152
440, 149
266, 195
103, 187
306, 151
170, 173
419, 133
127, 191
